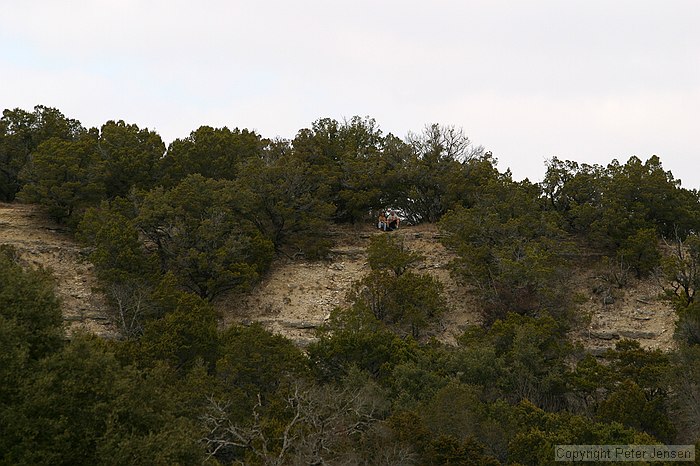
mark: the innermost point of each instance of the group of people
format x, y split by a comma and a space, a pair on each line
388, 221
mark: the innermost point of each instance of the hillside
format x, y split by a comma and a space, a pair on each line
42, 243
297, 296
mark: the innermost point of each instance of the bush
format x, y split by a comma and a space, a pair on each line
393, 293
641, 251
28, 304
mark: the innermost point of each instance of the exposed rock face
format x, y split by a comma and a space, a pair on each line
297, 296
42, 243
637, 313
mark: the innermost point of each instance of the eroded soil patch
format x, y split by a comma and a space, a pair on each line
42, 243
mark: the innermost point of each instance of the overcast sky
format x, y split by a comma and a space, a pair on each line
586, 80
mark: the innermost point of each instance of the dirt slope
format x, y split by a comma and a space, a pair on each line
41, 242
636, 312
297, 296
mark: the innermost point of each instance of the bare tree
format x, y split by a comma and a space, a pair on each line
444, 142
682, 271
321, 425
223, 433
130, 306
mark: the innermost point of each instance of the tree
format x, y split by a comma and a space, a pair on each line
638, 395
287, 201
194, 231
538, 431
64, 176
362, 168
453, 415
14, 359
682, 272
631, 387
418, 379
685, 393
348, 157
525, 358
317, 424
688, 325
394, 294
587, 382
131, 157
681, 280
512, 251
116, 249
210, 152
670, 208
641, 251
611, 204
575, 191
28, 305
80, 406
444, 142
31, 328
184, 336
354, 337
438, 171
630, 201
21, 132
127, 272
628, 405
61, 415
253, 363
409, 302
386, 252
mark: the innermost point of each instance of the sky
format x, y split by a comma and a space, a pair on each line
584, 80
